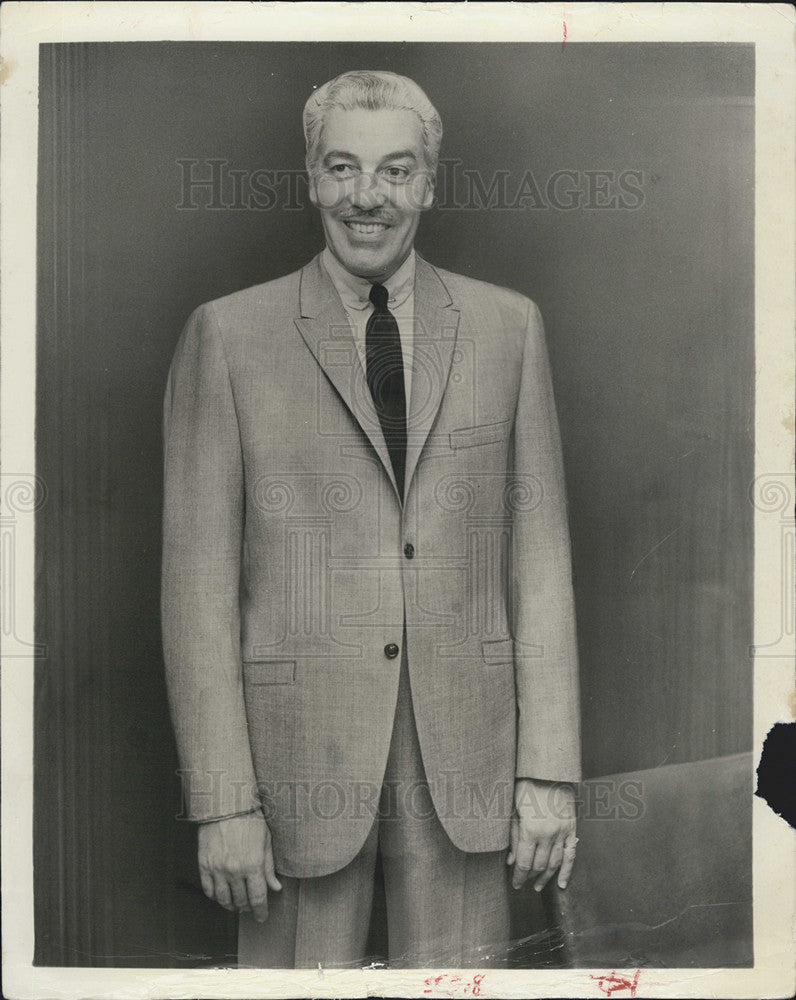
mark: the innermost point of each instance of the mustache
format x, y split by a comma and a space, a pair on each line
366, 217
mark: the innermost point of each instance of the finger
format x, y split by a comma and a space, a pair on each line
240, 898
524, 861
207, 883
270, 871
568, 861
541, 856
257, 894
513, 838
553, 864
519, 876
221, 892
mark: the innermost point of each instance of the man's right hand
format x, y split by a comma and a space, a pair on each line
236, 863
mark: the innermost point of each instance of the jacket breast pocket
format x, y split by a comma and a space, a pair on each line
259, 673
471, 437
498, 651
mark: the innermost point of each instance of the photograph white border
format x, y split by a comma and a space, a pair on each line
24, 26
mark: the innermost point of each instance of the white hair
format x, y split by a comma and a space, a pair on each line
373, 90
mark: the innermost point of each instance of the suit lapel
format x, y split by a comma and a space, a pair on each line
435, 329
325, 328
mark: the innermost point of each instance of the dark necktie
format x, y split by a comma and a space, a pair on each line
385, 375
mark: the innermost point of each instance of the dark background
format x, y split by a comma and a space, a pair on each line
649, 317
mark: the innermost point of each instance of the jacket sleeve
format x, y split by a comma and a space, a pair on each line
202, 540
542, 604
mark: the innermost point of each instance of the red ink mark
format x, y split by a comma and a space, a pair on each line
452, 986
611, 983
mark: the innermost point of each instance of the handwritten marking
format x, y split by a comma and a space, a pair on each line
610, 983
454, 986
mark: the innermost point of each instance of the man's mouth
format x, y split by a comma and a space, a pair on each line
366, 228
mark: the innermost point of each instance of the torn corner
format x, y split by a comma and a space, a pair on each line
776, 772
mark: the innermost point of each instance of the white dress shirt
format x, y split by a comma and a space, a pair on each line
354, 294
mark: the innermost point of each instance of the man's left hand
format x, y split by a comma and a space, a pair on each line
542, 832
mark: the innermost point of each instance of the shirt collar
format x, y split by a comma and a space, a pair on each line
355, 291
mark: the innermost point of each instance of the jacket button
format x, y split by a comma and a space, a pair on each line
409, 550
391, 650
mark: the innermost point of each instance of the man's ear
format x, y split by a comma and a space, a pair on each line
424, 194
313, 186
430, 189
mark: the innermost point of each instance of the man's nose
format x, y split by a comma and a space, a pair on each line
367, 192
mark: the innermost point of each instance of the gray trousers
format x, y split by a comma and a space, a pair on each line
445, 908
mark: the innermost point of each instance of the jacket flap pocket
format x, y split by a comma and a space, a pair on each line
498, 651
469, 437
259, 672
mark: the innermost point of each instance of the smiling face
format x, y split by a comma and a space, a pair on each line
370, 184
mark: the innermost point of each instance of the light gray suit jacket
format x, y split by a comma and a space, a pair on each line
286, 571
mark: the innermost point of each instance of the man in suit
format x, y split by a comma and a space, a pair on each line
367, 604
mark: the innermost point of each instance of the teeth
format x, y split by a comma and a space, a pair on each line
366, 227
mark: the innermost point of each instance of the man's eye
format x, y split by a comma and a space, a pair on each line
342, 169
396, 173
